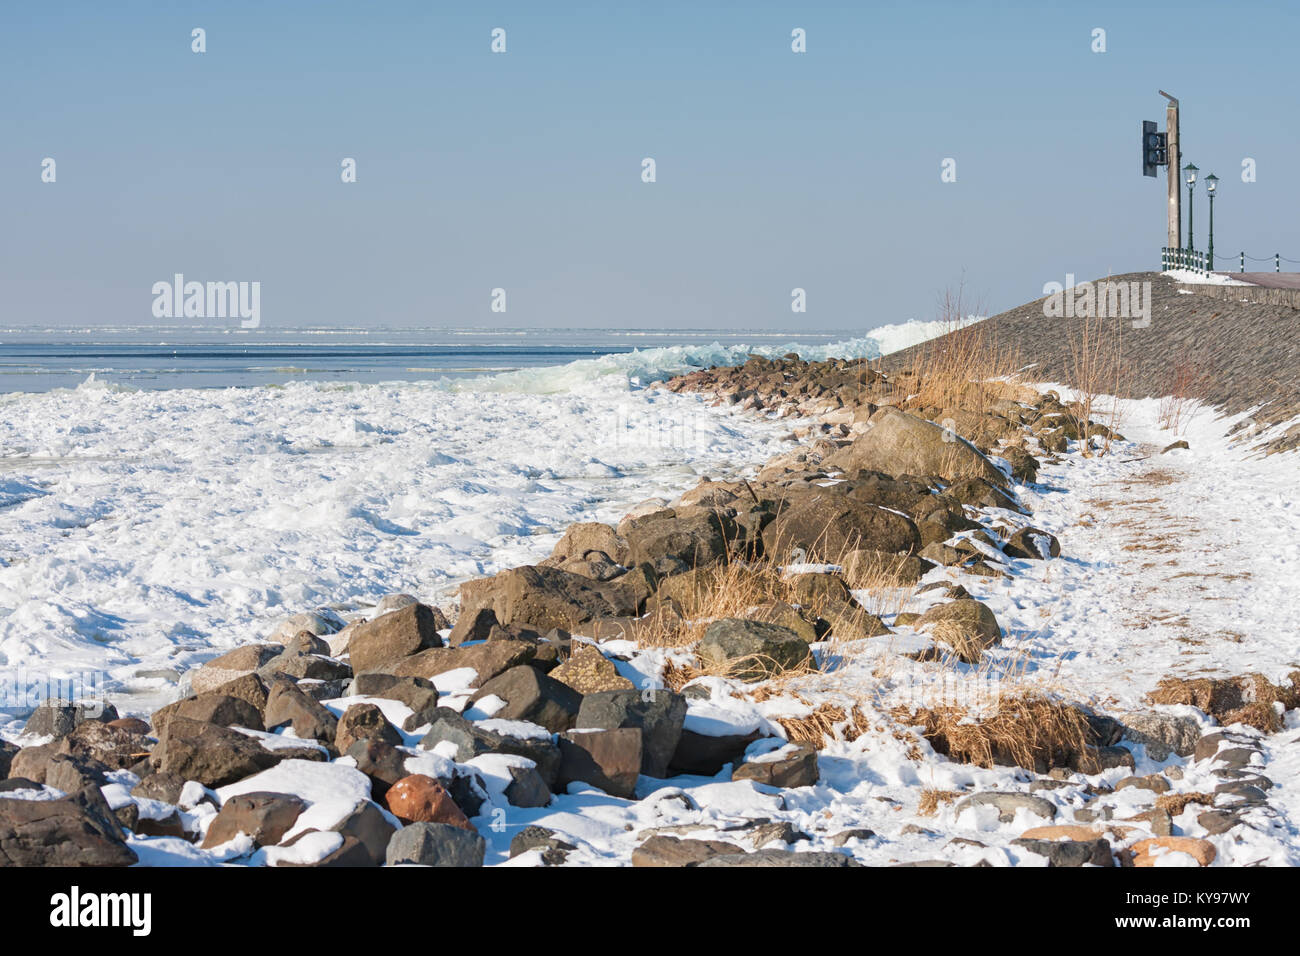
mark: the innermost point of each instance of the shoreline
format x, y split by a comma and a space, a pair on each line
727, 646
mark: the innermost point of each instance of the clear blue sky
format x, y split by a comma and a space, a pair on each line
522, 170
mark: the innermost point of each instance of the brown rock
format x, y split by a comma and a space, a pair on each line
394, 636
589, 671
1145, 852
421, 799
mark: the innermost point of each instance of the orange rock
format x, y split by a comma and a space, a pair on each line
1201, 850
421, 799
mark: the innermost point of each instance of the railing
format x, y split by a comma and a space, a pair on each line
1188, 260
1276, 258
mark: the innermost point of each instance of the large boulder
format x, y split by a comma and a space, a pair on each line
608, 759
792, 766
694, 536
364, 722
901, 444
752, 650
658, 714
588, 670
967, 626
546, 598
418, 798
212, 708
707, 754
532, 696
242, 660
826, 527
486, 660
471, 740
74, 831
435, 844
266, 817
216, 756
286, 704
393, 636
57, 718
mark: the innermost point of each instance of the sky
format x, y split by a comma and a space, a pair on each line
523, 170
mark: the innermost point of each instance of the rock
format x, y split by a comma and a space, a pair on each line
77, 830
587, 537
752, 650
793, 769
781, 831
784, 858
7, 752
1209, 746
487, 660
72, 774
320, 622
663, 850
160, 786
473, 626
1158, 819
242, 660
364, 722
607, 759
436, 844
1146, 852
1062, 853
472, 740
527, 788
1097, 759
211, 708
382, 762
417, 693
785, 615
420, 799
304, 667
249, 688
1153, 782
899, 443
533, 696
588, 671
1007, 805
393, 636
1175, 447
113, 746
310, 720
30, 762
847, 836
57, 718
694, 537
826, 527
305, 642
1033, 544
368, 826
706, 756
351, 852
938, 553
1162, 734
212, 755
852, 623
533, 837
544, 598
967, 626
1218, 821
266, 817
658, 714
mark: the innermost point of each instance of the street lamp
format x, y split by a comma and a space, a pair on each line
1191, 172
1211, 184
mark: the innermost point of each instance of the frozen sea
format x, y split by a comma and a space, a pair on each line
167, 494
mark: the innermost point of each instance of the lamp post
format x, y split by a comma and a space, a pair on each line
1211, 184
1191, 172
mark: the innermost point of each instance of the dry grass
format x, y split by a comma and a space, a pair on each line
1176, 803
1096, 367
931, 799
1028, 730
1186, 381
950, 369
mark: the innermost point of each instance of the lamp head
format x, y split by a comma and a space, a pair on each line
1191, 172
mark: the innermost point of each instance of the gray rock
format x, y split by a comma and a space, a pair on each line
78, 830
368, 825
658, 714
1162, 734
527, 788
752, 650
57, 718
472, 740
706, 756
534, 837
532, 696
1007, 804
798, 769
435, 844
1069, 853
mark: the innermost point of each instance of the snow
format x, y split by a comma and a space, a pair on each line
1196, 278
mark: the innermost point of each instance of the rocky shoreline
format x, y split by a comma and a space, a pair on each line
707, 666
